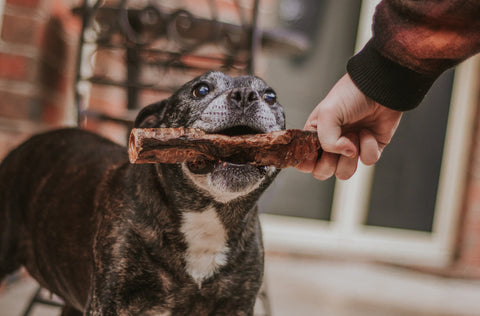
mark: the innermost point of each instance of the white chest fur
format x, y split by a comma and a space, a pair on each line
206, 243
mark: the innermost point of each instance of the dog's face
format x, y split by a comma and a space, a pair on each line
218, 103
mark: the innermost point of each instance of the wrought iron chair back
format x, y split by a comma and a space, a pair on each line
162, 46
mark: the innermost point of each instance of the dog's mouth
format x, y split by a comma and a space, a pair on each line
239, 130
233, 163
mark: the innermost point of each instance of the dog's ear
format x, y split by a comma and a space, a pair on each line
152, 115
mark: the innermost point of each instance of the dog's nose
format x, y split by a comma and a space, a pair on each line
242, 97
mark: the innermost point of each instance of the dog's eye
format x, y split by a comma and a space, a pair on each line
270, 97
201, 90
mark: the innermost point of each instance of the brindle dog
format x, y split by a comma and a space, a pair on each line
112, 238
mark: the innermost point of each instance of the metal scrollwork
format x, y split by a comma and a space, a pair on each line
158, 40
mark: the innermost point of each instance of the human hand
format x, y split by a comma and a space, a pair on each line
350, 126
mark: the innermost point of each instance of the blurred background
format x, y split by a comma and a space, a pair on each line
399, 238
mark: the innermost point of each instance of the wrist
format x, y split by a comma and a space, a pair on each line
386, 82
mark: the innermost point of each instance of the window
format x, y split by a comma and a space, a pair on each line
406, 208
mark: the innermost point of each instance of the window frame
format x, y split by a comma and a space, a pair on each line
346, 232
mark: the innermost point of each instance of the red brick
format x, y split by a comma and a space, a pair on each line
15, 106
19, 29
24, 3
14, 67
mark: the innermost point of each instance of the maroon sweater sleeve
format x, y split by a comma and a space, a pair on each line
413, 43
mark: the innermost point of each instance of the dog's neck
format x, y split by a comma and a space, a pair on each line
184, 196
208, 226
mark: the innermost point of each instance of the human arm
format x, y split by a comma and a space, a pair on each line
413, 43
350, 125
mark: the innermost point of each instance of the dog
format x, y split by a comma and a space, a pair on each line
114, 238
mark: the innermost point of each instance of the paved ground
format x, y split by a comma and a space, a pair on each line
341, 288
308, 287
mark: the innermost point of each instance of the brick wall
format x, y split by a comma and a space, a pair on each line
37, 56
38, 48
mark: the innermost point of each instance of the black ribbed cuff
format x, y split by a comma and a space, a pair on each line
386, 82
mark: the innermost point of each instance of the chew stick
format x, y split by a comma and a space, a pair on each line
280, 149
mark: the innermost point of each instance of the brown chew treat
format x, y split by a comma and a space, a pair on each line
280, 149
